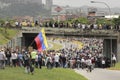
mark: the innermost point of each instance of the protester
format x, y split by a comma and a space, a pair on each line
33, 56
2, 59
76, 53
89, 65
14, 58
114, 59
8, 56
27, 63
20, 59
49, 62
56, 57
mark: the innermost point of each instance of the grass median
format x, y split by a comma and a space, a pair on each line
40, 74
116, 67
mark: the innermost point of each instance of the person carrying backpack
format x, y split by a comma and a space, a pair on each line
27, 64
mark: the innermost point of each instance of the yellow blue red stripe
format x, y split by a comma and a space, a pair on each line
41, 41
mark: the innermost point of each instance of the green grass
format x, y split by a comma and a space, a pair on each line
117, 67
40, 74
6, 36
55, 46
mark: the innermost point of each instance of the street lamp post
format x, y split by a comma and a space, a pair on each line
110, 18
104, 4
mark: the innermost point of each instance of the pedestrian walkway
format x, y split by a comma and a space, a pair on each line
100, 74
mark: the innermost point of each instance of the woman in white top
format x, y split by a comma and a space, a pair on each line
14, 58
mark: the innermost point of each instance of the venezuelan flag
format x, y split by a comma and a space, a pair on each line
41, 41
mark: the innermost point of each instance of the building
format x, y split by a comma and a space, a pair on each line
13, 1
49, 4
65, 12
21, 1
36, 1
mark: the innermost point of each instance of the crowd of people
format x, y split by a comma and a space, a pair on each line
90, 55
54, 24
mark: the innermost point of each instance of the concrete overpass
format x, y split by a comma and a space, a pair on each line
111, 38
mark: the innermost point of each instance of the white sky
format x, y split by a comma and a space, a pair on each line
79, 3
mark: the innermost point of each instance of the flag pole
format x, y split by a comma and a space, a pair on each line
31, 43
30, 48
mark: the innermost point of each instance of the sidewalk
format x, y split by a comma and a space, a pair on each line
100, 74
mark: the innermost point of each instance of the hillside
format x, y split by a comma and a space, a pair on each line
20, 9
7, 35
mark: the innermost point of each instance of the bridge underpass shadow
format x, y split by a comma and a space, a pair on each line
29, 42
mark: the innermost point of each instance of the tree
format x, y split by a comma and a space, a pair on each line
81, 20
116, 21
104, 21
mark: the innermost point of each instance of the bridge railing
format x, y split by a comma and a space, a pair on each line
68, 30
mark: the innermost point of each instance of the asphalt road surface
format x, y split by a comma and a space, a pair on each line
100, 74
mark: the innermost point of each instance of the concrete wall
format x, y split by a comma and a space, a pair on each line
110, 47
118, 47
15, 43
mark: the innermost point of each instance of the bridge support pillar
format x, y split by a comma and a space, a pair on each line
118, 47
109, 47
23, 42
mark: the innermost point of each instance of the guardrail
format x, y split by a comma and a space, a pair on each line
69, 30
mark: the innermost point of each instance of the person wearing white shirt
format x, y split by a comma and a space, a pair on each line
56, 57
82, 63
114, 60
103, 63
2, 59
89, 64
14, 58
